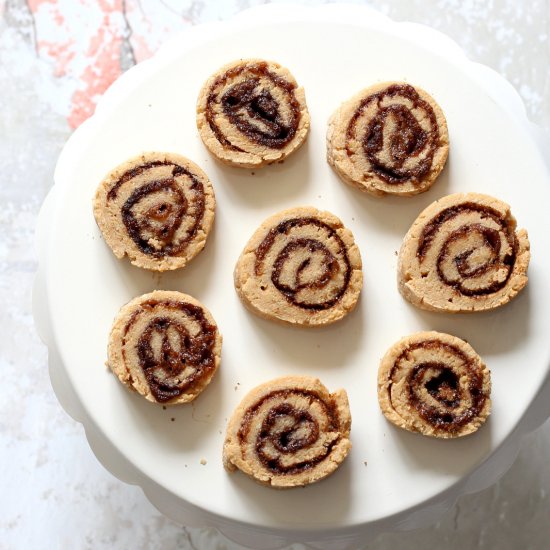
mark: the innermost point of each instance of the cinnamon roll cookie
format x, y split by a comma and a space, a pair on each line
435, 384
389, 139
166, 346
252, 112
463, 254
157, 209
289, 432
300, 267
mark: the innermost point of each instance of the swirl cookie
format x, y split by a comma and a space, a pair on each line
252, 112
157, 209
463, 254
435, 384
389, 139
166, 346
300, 267
289, 432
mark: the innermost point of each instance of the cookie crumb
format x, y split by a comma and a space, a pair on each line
203, 461
172, 419
365, 462
164, 407
396, 253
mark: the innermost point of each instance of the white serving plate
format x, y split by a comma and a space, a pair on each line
408, 480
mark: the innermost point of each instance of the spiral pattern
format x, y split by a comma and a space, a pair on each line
390, 139
464, 252
435, 384
289, 432
475, 258
301, 264
305, 270
156, 209
252, 112
166, 346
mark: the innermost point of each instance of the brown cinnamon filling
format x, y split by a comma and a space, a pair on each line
289, 430
154, 231
172, 359
395, 130
133, 172
252, 108
491, 239
441, 382
330, 265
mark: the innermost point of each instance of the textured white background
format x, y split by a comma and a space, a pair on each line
56, 58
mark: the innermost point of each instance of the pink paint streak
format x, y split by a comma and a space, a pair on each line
142, 50
104, 54
35, 4
61, 53
83, 40
86, 54
96, 78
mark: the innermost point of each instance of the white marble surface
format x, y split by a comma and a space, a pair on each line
56, 58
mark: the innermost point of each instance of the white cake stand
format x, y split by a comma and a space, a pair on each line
392, 480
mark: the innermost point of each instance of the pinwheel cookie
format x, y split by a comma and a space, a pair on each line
166, 346
389, 139
463, 254
435, 384
157, 209
252, 112
289, 432
301, 267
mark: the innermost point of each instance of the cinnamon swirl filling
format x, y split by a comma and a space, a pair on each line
157, 209
435, 384
464, 254
389, 139
265, 117
289, 432
252, 112
308, 272
166, 346
302, 267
